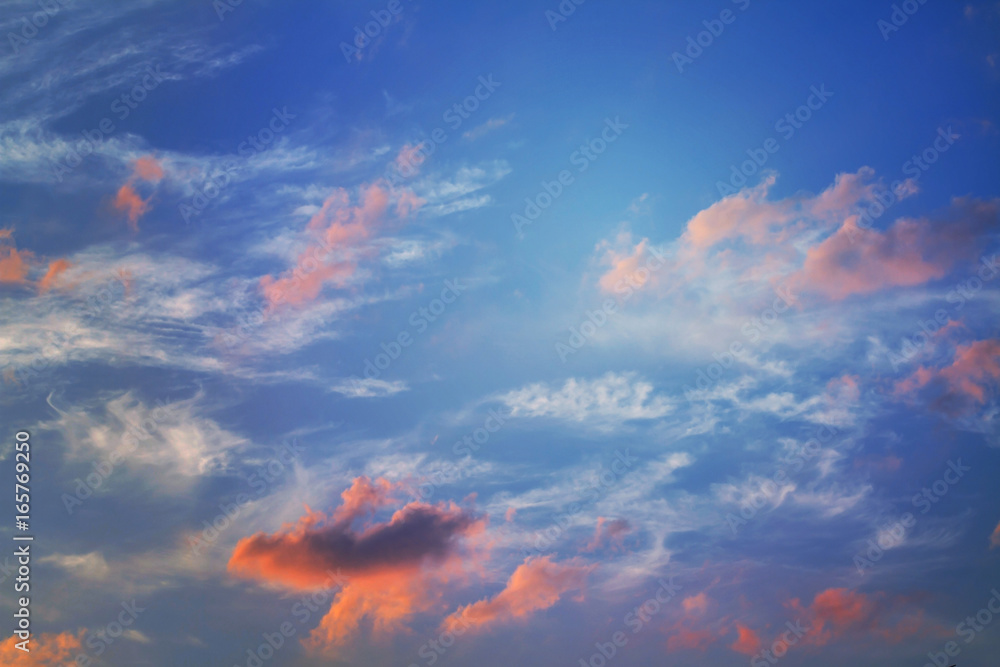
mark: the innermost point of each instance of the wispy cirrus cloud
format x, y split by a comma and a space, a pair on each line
611, 399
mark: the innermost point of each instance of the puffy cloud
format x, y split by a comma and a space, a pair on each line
813, 243
300, 555
536, 584
631, 266
995, 537
910, 252
393, 569
961, 384
47, 650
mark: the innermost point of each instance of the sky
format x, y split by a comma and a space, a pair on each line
399, 333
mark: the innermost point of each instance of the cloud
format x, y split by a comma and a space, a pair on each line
695, 604
56, 267
995, 537
747, 215
612, 532
536, 584
837, 613
170, 445
148, 169
369, 387
736, 256
299, 556
338, 238
910, 252
128, 200
486, 128
47, 650
14, 265
91, 566
961, 384
747, 641
393, 568
614, 397
409, 159
629, 264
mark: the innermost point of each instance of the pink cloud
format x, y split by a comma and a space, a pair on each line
837, 613
340, 239
974, 369
56, 267
536, 584
14, 265
910, 252
747, 641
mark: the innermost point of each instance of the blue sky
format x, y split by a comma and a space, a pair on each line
534, 326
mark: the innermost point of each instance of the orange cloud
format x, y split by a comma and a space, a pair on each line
14, 265
613, 532
340, 233
56, 267
128, 200
392, 569
148, 169
973, 369
747, 641
47, 650
6, 233
836, 612
995, 537
536, 584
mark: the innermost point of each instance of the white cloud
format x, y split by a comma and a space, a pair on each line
170, 445
368, 387
613, 398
